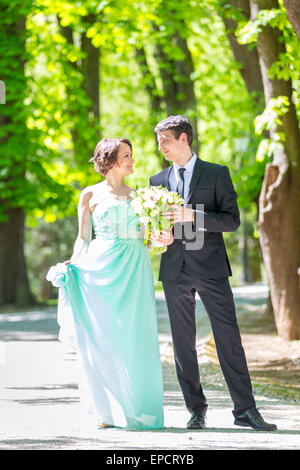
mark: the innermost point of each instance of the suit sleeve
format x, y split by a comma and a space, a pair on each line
227, 216
154, 181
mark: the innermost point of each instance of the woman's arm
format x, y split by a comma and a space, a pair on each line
84, 226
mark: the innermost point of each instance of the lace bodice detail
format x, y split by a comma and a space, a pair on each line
115, 219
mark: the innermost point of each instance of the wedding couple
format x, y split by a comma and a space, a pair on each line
107, 300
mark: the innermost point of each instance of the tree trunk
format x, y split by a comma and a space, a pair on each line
247, 57
91, 84
179, 95
153, 92
14, 285
293, 13
246, 274
88, 69
67, 33
279, 222
250, 70
154, 97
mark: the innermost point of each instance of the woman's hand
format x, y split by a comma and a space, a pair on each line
166, 237
67, 262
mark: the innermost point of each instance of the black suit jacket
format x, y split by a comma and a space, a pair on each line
210, 185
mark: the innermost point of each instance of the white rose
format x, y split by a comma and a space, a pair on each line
145, 220
170, 197
154, 212
149, 204
163, 198
137, 206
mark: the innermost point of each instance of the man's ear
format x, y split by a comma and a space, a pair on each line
183, 138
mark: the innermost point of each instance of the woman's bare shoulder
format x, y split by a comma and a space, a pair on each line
90, 192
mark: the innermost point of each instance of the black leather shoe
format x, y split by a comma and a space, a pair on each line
198, 420
253, 419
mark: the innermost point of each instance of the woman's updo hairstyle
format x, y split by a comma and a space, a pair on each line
106, 154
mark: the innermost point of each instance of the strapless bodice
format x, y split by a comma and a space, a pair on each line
115, 219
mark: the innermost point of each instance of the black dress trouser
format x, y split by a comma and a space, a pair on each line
217, 299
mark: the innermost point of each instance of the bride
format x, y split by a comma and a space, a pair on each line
106, 307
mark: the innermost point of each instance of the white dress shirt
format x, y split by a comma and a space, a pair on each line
174, 176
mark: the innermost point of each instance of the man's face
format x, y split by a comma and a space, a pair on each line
169, 145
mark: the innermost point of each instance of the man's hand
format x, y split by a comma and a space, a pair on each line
179, 214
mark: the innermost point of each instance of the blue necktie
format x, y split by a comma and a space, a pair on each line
180, 187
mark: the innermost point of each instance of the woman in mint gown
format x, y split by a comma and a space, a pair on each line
106, 307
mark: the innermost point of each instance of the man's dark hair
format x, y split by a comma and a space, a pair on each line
177, 124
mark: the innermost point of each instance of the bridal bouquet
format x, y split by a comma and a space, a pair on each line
149, 203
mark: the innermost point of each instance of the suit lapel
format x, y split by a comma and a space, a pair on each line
197, 172
165, 180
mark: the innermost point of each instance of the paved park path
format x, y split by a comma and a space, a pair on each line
40, 407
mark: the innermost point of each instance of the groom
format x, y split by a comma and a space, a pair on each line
201, 266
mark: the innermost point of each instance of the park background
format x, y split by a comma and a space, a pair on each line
73, 72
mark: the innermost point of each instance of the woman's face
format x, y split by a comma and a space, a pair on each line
124, 160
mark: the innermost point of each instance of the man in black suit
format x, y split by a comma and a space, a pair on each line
196, 261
